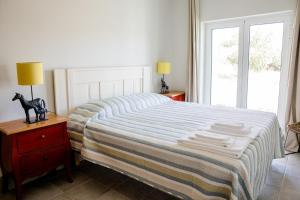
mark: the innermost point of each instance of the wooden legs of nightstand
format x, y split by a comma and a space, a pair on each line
18, 185
17, 180
68, 164
4, 183
68, 171
18, 188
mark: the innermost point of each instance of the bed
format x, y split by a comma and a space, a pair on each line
152, 138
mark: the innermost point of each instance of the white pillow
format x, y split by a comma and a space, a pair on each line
123, 104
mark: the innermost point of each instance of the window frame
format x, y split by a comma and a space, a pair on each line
244, 24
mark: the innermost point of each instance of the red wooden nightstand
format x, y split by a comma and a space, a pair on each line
29, 150
176, 95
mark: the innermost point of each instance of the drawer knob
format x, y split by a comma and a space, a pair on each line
43, 136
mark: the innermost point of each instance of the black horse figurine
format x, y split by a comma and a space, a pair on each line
164, 87
38, 105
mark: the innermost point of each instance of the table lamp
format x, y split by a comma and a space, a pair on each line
31, 73
164, 68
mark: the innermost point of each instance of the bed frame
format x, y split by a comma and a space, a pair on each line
77, 86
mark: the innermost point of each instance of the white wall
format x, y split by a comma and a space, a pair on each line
219, 9
77, 33
179, 44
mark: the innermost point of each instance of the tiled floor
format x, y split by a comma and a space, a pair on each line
284, 180
92, 182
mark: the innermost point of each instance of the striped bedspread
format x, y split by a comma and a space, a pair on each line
138, 135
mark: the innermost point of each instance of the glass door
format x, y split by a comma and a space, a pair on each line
224, 77
246, 62
265, 50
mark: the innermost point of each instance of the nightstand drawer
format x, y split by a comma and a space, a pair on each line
31, 163
179, 98
41, 138
38, 162
54, 157
176, 95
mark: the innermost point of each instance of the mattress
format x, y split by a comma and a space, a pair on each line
138, 135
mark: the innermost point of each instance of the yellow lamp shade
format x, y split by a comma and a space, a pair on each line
163, 67
30, 73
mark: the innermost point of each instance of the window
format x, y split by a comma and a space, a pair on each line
246, 61
225, 46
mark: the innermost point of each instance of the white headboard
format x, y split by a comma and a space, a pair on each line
77, 86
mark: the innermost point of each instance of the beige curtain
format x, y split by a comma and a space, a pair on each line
192, 93
293, 99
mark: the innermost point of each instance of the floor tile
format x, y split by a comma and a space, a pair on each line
78, 178
107, 176
113, 195
292, 171
92, 189
279, 165
8, 196
40, 189
269, 193
290, 183
275, 179
60, 197
281, 160
134, 190
277, 172
156, 194
289, 195
294, 159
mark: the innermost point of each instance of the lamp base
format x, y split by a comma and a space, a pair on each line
164, 87
33, 121
165, 92
38, 105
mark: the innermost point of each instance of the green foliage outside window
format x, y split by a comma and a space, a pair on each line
263, 56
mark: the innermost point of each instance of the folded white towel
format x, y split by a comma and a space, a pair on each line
235, 150
211, 135
250, 132
231, 142
229, 125
243, 131
213, 138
